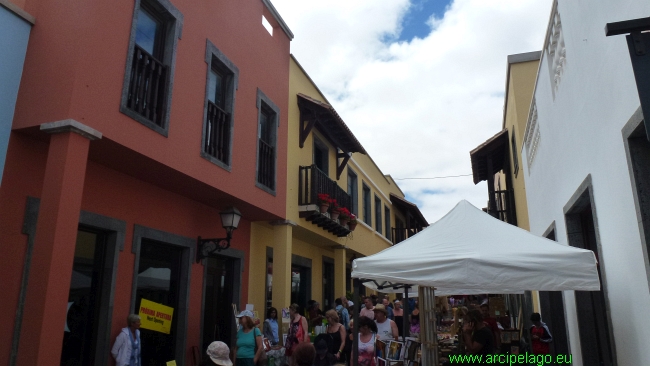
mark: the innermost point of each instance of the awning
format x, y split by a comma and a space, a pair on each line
495, 149
329, 123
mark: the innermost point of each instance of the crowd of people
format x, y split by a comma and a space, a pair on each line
378, 319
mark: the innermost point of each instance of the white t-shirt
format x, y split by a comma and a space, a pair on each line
384, 330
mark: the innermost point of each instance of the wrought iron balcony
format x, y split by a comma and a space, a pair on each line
312, 182
217, 133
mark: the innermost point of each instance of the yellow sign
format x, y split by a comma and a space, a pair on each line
154, 316
171, 363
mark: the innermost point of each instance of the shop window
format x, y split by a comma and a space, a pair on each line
220, 104
269, 277
146, 93
300, 280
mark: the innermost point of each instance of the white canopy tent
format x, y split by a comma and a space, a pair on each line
470, 252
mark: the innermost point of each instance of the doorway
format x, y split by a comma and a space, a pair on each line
84, 299
159, 280
594, 325
328, 283
218, 317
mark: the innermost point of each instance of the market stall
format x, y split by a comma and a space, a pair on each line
469, 252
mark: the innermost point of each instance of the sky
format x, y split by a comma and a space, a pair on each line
419, 82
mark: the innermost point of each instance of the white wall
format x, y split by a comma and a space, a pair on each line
580, 134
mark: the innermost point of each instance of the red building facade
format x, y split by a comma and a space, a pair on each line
136, 124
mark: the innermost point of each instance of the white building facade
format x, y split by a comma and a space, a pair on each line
586, 161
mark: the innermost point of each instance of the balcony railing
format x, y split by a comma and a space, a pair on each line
266, 165
313, 182
217, 133
502, 206
401, 233
147, 87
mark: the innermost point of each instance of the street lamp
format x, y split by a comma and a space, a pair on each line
206, 247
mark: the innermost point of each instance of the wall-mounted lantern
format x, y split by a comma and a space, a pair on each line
206, 247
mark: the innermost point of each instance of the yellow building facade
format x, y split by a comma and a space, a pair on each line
308, 256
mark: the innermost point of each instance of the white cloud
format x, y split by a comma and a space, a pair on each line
417, 107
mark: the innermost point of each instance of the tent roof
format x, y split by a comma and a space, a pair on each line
470, 252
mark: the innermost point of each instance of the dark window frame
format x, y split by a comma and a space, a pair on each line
378, 214
172, 30
324, 150
266, 106
513, 147
367, 204
353, 191
387, 232
216, 59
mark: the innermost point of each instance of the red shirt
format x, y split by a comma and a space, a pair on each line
492, 324
539, 346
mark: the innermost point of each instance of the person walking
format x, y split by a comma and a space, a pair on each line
540, 335
249, 337
270, 328
398, 313
386, 328
297, 329
366, 342
342, 311
477, 336
367, 309
336, 334
127, 347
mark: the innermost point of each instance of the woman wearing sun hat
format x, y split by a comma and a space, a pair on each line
218, 354
249, 337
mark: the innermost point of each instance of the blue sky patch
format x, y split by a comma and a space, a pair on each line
415, 24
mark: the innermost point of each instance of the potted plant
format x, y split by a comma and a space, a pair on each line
344, 216
352, 224
334, 209
324, 201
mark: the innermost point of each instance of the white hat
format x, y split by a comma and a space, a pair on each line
350, 303
219, 353
247, 313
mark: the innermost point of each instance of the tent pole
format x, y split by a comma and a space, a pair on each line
355, 333
405, 309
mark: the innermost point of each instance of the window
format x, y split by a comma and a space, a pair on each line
321, 156
146, 94
219, 107
387, 218
378, 214
268, 114
367, 218
353, 192
513, 146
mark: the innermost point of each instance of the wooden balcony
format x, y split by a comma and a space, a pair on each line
502, 206
312, 182
147, 87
